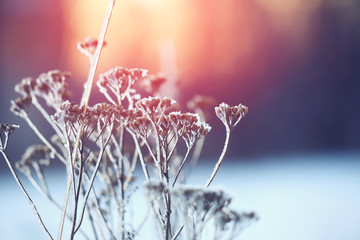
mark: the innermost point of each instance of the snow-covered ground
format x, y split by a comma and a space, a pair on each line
307, 197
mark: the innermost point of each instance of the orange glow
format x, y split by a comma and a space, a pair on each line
213, 37
198, 32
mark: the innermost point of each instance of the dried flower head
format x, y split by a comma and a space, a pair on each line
189, 126
52, 87
119, 81
125, 117
104, 112
165, 128
26, 86
141, 126
195, 131
232, 222
95, 119
154, 107
88, 46
230, 116
8, 128
68, 113
154, 191
20, 106
148, 106
5, 131
202, 200
36, 156
197, 206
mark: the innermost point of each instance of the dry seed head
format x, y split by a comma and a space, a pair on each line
230, 116
181, 120
165, 127
36, 154
141, 126
88, 46
193, 132
154, 106
238, 220
154, 189
25, 86
5, 131
166, 104
8, 128
52, 87
103, 111
68, 113
21, 105
118, 79
124, 117
201, 200
148, 105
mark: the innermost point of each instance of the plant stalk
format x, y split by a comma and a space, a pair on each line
221, 158
26, 194
86, 96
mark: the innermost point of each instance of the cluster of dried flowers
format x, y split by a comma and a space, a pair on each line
113, 137
100, 147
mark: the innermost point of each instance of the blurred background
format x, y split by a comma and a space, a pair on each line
294, 63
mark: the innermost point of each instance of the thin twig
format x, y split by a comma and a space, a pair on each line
182, 165
221, 158
45, 115
46, 194
142, 160
86, 96
43, 139
26, 194
178, 232
91, 182
98, 210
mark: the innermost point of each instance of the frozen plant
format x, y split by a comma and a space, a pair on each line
229, 223
230, 116
6, 130
100, 147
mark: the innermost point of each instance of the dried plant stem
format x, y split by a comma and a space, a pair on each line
45, 115
176, 235
167, 229
98, 211
90, 217
25, 193
96, 57
142, 160
216, 169
131, 170
91, 183
221, 158
175, 143
43, 139
122, 189
181, 166
76, 200
46, 194
86, 96
157, 140
196, 153
167, 200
